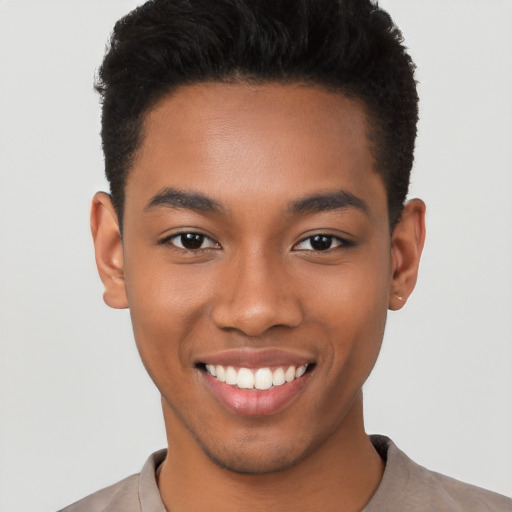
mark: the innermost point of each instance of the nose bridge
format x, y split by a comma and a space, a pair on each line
256, 294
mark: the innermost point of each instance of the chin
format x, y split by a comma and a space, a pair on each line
244, 465
242, 459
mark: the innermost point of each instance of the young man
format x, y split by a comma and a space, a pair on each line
258, 154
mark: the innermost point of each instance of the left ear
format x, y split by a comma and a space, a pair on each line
406, 247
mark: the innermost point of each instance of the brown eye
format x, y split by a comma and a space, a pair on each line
321, 242
191, 241
318, 243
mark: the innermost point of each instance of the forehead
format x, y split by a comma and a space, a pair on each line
227, 139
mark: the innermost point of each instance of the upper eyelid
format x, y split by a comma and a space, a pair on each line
193, 231
343, 241
169, 240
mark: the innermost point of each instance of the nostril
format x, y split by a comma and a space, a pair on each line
255, 319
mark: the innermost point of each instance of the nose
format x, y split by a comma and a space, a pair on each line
257, 294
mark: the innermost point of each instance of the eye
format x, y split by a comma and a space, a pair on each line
320, 243
191, 241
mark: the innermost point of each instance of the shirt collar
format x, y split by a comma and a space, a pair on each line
395, 477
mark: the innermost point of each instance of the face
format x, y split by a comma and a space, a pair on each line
258, 266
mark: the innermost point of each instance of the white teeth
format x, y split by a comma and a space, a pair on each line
245, 379
261, 379
289, 376
301, 370
278, 377
221, 373
231, 376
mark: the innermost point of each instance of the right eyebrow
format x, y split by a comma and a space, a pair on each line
178, 199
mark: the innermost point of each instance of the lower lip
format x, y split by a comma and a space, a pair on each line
255, 402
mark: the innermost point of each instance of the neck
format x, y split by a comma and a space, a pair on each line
341, 475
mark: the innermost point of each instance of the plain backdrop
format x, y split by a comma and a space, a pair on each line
77, 411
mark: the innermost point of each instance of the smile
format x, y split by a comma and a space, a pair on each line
256, 382
257, 378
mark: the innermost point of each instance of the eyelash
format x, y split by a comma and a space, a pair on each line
321, 238
340, 243
179, 236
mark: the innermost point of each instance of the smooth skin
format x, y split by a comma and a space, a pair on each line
254, 277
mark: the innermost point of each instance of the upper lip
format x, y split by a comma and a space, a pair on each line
255, 358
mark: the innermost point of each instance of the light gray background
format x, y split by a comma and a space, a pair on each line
77, 409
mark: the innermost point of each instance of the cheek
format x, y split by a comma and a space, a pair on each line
167, 307
354, 294
351, 304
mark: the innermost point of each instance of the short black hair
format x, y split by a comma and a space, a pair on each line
349, 46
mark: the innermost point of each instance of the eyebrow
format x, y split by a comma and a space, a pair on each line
178, 199
174, 198
340, 199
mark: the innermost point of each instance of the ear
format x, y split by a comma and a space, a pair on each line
108, 250
406, 246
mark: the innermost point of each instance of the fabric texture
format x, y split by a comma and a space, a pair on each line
405, 487
409, 487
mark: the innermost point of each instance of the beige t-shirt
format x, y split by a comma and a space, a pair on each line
405, 487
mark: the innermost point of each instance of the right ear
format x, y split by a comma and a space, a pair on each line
108, 249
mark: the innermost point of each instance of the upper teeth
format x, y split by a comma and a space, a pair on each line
262, 378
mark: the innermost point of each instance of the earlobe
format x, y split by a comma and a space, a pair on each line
108, 250
406, 246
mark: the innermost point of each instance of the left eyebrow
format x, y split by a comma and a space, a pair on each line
339, 200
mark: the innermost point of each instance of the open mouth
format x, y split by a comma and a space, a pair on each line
260, 379
255, 383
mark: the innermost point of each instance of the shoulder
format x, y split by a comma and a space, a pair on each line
464, 496
122, 496
442, 492
409, 486
133, 494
